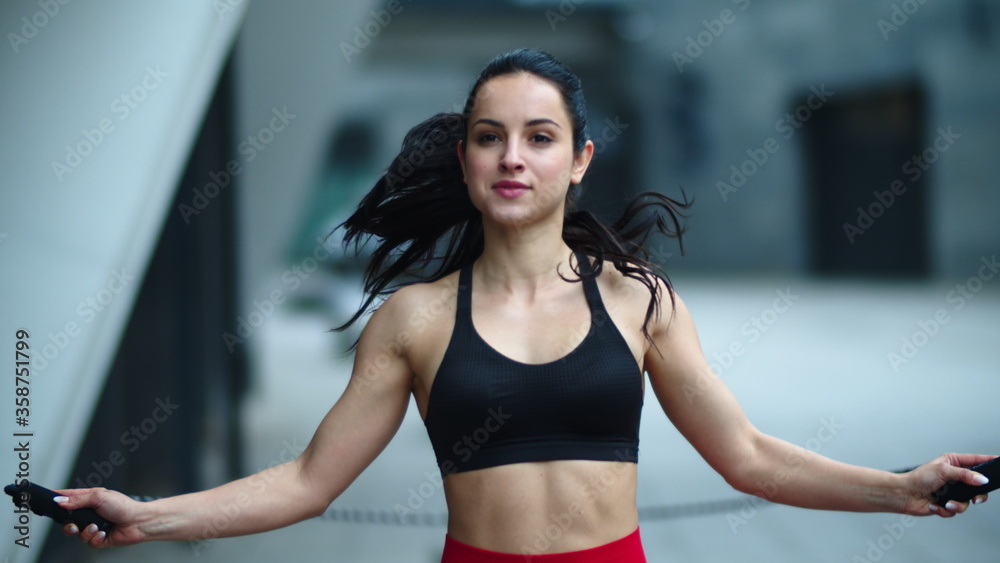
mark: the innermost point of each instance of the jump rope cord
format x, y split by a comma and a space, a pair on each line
405, 516
652, 513
646, 514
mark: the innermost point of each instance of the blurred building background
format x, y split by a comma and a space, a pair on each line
681, 95
847, 147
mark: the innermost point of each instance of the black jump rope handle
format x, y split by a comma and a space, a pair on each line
960, 492
39, 500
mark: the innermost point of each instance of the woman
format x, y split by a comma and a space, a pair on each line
525, 355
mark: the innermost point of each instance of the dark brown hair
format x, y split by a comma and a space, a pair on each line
426, 226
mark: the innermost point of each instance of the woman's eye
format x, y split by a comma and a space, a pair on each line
488, 138
541, 138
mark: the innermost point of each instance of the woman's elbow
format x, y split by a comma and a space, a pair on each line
742, 470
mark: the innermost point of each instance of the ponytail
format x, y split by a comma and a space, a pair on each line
420, 203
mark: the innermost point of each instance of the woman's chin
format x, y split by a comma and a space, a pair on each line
519, 221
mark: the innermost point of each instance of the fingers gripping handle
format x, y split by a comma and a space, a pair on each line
39, 500
961, 492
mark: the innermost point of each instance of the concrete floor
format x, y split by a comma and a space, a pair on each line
817, 373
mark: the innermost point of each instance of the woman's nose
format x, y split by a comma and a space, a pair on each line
511, 160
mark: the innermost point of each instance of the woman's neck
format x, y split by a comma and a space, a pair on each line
523, 258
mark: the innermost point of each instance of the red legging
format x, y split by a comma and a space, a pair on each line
625, 550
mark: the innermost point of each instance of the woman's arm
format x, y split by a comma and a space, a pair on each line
708, 415
352, 434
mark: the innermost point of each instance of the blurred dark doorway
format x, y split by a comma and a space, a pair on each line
867, 182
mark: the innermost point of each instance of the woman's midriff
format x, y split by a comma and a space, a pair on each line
543, 507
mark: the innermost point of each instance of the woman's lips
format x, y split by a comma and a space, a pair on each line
509, 189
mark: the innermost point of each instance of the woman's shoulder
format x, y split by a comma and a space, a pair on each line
631, 296
417, 304
620, 285
424, 293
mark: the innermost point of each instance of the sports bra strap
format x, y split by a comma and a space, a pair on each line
589, 284
464, 288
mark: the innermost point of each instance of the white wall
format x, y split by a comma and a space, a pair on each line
101, 102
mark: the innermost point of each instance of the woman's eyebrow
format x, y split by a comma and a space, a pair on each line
530, 123
542, 121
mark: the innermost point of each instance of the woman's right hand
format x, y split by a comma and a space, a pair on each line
122, 511
352, 434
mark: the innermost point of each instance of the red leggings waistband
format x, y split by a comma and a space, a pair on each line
624, 550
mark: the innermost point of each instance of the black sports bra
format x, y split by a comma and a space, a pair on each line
486, 410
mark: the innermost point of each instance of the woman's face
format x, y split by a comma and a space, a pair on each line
518, 160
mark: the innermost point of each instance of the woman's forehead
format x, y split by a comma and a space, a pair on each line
520, 96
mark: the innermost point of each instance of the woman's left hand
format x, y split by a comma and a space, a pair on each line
924, 480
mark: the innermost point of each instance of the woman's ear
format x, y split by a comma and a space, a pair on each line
581, 161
